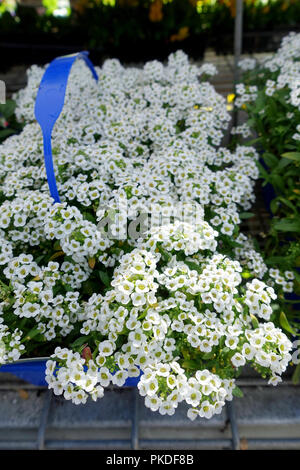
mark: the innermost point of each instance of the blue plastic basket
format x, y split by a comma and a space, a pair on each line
30, 370
33, 371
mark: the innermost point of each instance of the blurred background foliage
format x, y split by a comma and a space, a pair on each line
144, 29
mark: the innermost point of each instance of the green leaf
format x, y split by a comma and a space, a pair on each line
31, 334
277, 182
275, 260
90, 286
254, 321
88, 216
79, 342
285, 324
191, 364
282, 164
292, 156
5, 133
57, 246
296, 375
104, 278
288, 204
253, 141
39, 259
185, 354
164, 254
246, 215
68, 288
8, 109
208, 355
297, 276
194, 266
246, 275
287, 225
274, 205
237, 392
270, 159
263, 173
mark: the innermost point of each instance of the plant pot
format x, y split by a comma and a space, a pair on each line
33, 371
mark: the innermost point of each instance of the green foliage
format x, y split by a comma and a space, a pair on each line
169, 24
273, 120
8, 123
50, 5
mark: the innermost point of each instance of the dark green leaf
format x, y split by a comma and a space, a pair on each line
246, 215
292, 156
31, 334
282, 164
193, 266
8, 109
274, 205
237, 392
88, 216
5, 133
287, 225
296, 375
275, 260
288, 203
285, 324
270, 159
263, 172
104, 278
79, 342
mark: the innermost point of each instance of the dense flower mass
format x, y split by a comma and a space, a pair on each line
269, 94
140, 270
281, 71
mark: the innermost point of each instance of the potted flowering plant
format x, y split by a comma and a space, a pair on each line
140, 271
269, 95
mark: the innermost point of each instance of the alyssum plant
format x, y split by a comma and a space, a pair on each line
270, 95
188, 303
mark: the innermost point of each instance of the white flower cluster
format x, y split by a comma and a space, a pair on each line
278, 108
138, 135
205, 392
33, 290
243, 130
245, 94
285, 67
6, 249
164, 309
23, 218
258, 299
283, 70
284, 279
247, 64
71, 378
181, 236
296, 136
79, 238
11, 347
167, 303
249, 257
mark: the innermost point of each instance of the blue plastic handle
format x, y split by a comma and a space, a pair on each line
49, 104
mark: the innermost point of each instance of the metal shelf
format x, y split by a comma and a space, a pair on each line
266, 418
